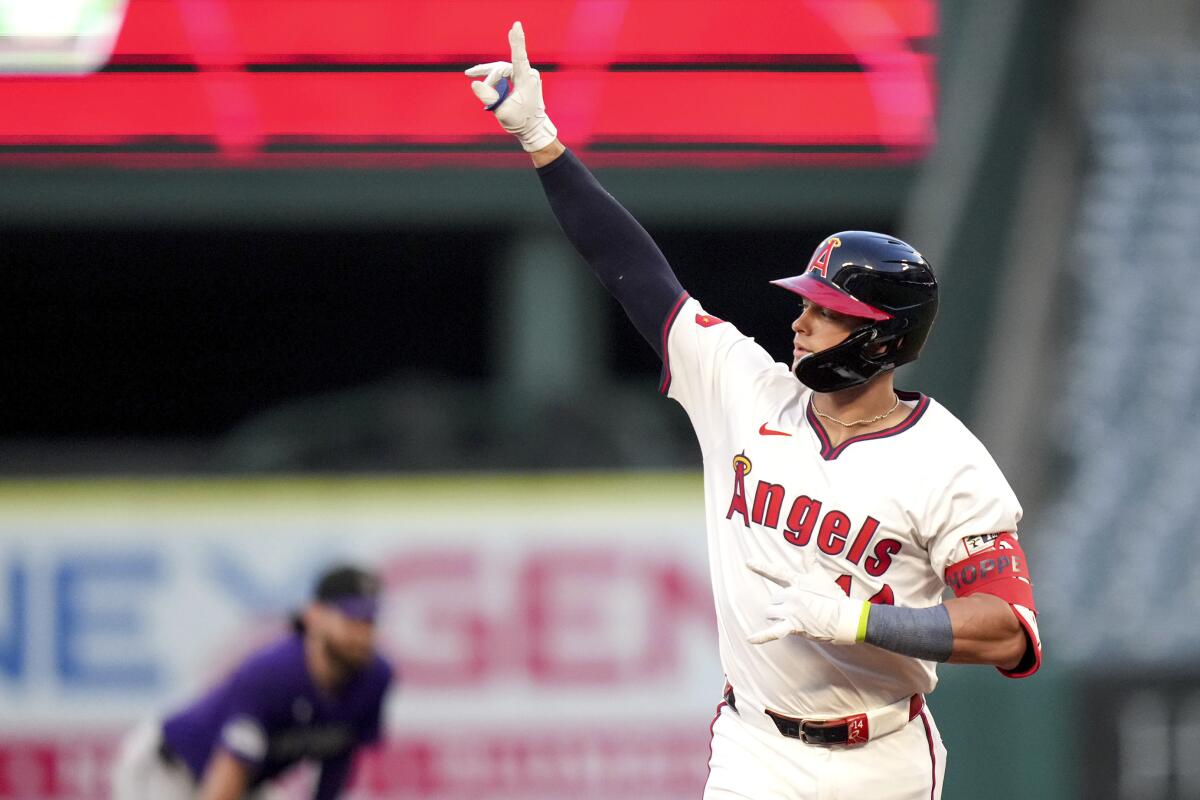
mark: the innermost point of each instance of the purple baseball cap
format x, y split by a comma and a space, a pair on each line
351, 590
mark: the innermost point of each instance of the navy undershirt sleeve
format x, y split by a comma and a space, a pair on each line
620, 252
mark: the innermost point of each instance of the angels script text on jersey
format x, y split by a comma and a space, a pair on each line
832, 534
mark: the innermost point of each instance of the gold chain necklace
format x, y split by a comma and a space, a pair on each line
875, 418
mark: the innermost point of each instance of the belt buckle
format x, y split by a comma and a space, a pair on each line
823, 733
848, 731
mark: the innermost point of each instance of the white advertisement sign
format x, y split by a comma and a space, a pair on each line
553, 637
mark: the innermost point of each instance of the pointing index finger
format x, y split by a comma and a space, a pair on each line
520, 58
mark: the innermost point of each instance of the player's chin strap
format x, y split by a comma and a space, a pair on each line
843, 365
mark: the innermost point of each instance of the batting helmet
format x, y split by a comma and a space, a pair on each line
880, 279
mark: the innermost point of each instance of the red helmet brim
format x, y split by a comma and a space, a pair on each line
825, 294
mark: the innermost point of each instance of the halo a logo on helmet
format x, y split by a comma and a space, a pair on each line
820, 259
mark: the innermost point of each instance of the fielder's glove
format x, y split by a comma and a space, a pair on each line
810, 607
518, 106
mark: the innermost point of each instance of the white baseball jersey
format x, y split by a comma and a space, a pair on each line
881, 515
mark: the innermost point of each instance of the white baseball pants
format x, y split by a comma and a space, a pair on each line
139, 773
751, 763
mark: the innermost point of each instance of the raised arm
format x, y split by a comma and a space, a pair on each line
618, 249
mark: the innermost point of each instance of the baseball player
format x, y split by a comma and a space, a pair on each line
314, 695
838, 508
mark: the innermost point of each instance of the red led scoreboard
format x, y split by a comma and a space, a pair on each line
256, 83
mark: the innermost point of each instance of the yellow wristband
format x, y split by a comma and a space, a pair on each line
862, 623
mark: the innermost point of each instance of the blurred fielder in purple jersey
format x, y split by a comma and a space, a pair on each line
316, 695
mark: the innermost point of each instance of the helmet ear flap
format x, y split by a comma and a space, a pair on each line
841, 366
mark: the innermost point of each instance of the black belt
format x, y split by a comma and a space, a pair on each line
824, 733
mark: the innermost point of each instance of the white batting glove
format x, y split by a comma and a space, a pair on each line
809, 607
521, 111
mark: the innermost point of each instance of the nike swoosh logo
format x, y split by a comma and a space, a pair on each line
765, 431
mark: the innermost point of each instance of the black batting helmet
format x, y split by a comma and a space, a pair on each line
880, 279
